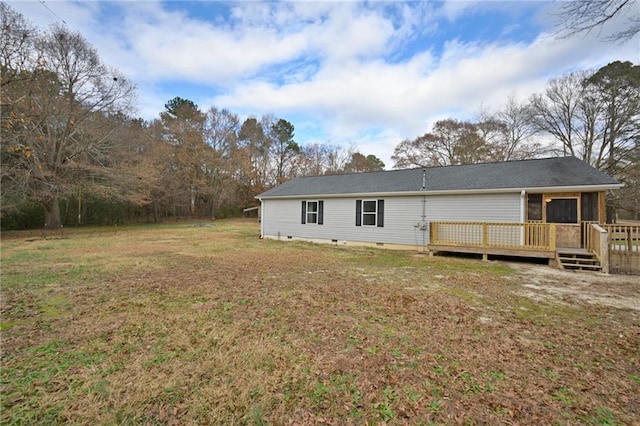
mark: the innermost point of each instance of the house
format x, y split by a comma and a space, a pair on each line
480, 208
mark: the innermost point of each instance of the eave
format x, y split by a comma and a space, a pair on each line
538, 190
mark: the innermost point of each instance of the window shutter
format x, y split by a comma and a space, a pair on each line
380, 213
358, 212
304, 212
320, 212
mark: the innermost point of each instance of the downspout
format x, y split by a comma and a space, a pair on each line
423, 221
261, 218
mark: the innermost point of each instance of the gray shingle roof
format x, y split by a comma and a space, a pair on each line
537, 173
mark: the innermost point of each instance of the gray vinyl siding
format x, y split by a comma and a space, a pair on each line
503, 207
281, 218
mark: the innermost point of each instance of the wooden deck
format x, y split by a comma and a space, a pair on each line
493, 251
616, 247
499, 239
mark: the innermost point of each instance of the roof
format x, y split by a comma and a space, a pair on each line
556, 172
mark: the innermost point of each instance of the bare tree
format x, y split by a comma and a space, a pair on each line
312, 159
337, 159
58, 120
17, 37
450, 142
584, 16
563, 112
510, 132
595, 117
221, 130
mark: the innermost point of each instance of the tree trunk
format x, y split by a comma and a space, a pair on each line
52, 214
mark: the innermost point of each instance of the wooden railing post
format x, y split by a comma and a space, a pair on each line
485, 235
604, 249
495, 235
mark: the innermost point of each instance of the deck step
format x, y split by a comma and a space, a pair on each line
578, 260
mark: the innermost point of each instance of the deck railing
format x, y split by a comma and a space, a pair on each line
534, 236
624, 248
624, 237
596, 240
586, 231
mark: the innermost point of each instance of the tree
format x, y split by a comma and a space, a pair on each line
510, 132
182, 127
17, 37
56, 132
584, 16
616, 87
221, 130
337, 159
627, 199
135, 171
564, 112
312, 160
595, 118
360, 163
451, 142
593, 115
284, 149
254, 146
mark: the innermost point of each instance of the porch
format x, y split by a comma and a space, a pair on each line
591, 246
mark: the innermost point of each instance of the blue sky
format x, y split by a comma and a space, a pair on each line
366, 75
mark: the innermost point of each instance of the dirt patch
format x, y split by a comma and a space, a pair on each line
561, 286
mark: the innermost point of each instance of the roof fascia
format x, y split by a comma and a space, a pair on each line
541, 189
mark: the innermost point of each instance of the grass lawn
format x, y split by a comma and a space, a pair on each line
188, 324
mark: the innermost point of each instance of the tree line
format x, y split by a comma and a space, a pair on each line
72, 149
591, 115
73, 152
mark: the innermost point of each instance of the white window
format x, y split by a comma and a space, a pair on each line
312, 212
369, 212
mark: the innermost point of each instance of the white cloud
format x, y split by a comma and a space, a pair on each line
406, 97
344, 69
454, 9
171, 45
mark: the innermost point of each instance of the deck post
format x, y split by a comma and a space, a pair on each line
485, 235
552, 236
604, 249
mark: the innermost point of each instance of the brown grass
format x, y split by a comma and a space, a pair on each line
182, 324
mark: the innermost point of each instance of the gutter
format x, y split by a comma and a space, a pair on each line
534, 190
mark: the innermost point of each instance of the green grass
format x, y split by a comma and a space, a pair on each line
187, 324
